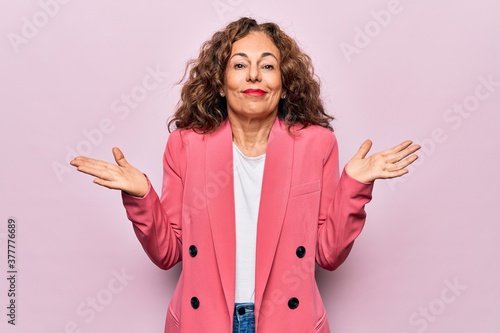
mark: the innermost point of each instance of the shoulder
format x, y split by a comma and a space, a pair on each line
316, 135
177, 151
180, 138
189, 136
313, 130
315, 143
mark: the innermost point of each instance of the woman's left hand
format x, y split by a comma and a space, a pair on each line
390, 163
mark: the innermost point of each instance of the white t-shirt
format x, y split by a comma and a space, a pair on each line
248, 172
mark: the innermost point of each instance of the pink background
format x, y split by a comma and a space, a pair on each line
428, 259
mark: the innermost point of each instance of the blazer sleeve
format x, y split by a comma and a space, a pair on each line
157, 222
342, 214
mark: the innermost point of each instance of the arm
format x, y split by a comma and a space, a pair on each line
341, 213
158, 222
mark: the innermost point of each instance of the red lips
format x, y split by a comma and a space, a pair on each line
255, 92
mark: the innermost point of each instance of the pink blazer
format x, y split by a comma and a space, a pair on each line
308, 214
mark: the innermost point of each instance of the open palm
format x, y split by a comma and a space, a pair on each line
120, 176
390, 163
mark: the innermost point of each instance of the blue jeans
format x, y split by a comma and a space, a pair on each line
243, 319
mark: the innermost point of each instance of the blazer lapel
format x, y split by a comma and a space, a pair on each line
220, 205
273, 202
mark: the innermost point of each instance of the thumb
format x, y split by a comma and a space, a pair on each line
363, 149
119, 157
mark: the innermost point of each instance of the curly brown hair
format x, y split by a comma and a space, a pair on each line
203, 109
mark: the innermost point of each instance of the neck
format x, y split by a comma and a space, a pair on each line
251, 135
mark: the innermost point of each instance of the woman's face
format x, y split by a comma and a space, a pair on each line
252, 82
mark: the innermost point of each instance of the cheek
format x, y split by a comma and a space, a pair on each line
275, 83
226, 86
232, 80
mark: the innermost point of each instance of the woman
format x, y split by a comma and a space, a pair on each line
251, 197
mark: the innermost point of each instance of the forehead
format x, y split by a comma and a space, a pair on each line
255, 43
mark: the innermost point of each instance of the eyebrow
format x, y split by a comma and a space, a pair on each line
264, 54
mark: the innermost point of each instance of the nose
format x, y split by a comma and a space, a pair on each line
253, 74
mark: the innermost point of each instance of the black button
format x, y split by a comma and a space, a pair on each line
293, 303
193, 251
301, 252
195, 302
241, 311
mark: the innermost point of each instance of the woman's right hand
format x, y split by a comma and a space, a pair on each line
122, 176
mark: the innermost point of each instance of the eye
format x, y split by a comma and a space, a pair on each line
268, 67
239, 66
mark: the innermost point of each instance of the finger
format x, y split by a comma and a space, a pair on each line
78, 160
93, 171
114, 185
388, 174
396, 157
410, 151
401, 164
396, 174
363, 149
396, 149
99, 169
406, 162
119, 157
81, 160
